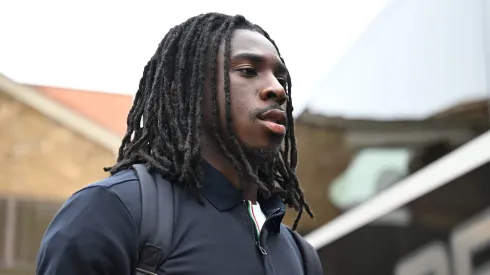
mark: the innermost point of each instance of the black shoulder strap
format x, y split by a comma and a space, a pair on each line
157, 212
311, 261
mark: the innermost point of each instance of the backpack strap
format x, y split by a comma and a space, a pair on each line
311, 261
156, 228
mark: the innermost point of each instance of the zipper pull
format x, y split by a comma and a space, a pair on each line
262, 250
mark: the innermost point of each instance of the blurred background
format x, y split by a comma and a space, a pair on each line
391, 104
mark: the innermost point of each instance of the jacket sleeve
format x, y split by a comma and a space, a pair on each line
93, 233
313, 262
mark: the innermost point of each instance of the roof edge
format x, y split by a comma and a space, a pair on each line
323, 121
60, 113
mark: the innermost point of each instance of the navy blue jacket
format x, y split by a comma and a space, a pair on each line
96, 232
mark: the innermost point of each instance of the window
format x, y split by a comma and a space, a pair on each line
22, 226
33, 217
3, 216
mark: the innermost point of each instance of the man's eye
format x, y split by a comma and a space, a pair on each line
248, 72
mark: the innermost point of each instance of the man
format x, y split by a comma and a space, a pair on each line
211, 113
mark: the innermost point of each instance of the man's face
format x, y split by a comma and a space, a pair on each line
258, 98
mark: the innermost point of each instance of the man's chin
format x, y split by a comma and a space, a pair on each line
262, 154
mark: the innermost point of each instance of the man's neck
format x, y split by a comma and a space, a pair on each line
221, 163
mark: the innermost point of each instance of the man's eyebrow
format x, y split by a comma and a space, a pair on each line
257, 58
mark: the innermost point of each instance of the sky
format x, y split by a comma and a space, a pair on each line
416, 59
104, 45
380, 59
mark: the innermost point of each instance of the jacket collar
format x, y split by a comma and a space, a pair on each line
224, 196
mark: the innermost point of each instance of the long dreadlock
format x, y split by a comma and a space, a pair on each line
165, 123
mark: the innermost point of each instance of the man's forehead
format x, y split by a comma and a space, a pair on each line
251, 42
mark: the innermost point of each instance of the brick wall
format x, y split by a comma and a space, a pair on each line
322, 156
42, 163
42, 159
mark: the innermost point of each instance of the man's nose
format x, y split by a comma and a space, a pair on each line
274, 91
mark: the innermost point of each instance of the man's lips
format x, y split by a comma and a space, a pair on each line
275, 120
275, 115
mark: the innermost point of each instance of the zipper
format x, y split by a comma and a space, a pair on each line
254, 231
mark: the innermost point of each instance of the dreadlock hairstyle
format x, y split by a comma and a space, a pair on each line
164, 125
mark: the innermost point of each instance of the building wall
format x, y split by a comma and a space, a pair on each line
42, 159
42, 163
322, 155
